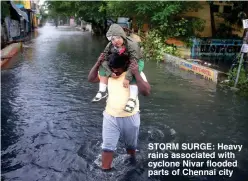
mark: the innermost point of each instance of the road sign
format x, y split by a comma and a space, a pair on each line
244, 48
245, 23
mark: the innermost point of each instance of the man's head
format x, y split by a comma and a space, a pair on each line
118, 63
116, 35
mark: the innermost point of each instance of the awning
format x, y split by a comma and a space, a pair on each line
19, 6
20, 12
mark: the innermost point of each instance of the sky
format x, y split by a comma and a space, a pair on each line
41, 2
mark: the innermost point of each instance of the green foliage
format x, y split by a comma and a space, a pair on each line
91, 11
43, 15
154, 47
5, 9
232, 18
183, 28
243, 89
164, 16
60, 8
164, 19
232, 74
225, 31
242, 82
237, 13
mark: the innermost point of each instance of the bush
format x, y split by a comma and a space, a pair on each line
242, 82
154, 47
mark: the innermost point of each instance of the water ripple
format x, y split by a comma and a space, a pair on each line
51, 130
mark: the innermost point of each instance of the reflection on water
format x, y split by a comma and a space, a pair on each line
51, 131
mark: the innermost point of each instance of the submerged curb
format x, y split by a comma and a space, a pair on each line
205, 72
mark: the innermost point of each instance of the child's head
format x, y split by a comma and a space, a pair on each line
117, 41
118, 63
116, 35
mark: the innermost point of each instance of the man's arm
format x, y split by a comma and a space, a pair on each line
143, 86
93, 75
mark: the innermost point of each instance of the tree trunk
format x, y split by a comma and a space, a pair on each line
105, 22
105, 26
98, 28
213, 29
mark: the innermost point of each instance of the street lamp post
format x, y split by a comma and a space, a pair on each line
244, 49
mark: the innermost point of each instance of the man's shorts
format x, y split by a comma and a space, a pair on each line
114, 127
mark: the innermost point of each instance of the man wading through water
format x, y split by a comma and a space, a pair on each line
116, 121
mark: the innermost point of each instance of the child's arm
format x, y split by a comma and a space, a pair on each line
134, 54
106, 68
129, 75
105, 61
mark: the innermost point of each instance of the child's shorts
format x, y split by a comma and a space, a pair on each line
102, 72
141, 65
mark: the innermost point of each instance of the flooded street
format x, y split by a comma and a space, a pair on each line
51, 131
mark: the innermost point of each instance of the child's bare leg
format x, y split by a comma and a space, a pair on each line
102, 92
133, 91
104, 80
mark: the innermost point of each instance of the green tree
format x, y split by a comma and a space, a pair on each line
93, 12
165, 16
5, 9
212, 18
233, 19
239, 11
58, 9
43, 15
162, 15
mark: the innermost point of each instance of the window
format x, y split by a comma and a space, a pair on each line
215, 8
227, 9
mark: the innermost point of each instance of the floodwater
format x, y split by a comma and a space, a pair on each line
51, 130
